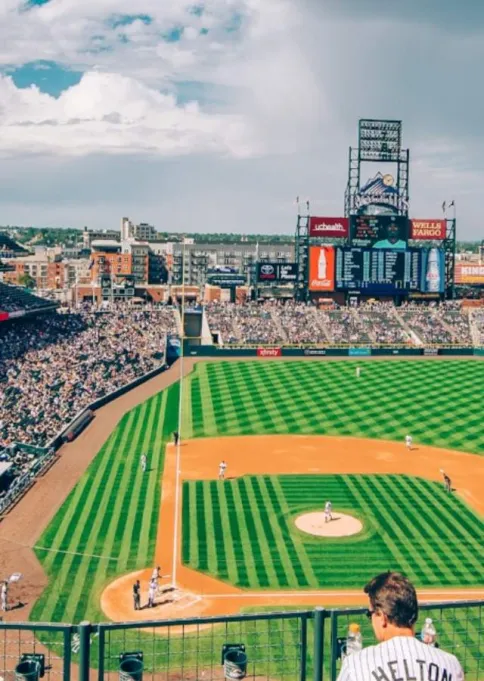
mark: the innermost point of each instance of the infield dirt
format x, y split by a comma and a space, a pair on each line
202, 595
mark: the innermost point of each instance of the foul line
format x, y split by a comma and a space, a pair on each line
309, 594
45, 548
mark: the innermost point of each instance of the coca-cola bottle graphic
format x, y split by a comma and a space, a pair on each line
433, 275
322, 265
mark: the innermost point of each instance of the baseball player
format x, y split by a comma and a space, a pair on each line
222, 467
399, 655
176, 438
447, 481
408, 442
328, 507
137, 595
155, 575
143, 461
358, 372
152, 593
4, 596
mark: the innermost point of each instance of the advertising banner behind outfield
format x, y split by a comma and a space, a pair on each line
466, 273
269, 352
321, 268
329, 227
274, 271
428, 230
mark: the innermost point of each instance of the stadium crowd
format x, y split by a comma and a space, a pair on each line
379, 323
14, 299
54, 365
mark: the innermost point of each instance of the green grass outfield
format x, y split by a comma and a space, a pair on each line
243, 531
107, 525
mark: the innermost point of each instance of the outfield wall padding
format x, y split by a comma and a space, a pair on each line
216, 351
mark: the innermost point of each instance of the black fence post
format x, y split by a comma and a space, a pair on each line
319, 615
84, 650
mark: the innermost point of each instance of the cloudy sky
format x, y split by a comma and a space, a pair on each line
213, 115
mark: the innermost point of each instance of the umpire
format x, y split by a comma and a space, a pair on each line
137, 595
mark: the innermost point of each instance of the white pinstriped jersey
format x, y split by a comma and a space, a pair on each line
402, 658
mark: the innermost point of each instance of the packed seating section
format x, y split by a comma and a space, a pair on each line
15, 299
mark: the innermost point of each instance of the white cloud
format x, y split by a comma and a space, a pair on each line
109, 113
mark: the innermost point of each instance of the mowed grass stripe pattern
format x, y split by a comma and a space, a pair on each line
438, 402
409, 524
112, 514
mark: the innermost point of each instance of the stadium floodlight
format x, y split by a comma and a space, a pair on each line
234, 661
30, 667
131, 666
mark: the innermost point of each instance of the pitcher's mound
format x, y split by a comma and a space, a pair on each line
342, 525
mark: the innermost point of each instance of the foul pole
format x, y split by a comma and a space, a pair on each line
180, 417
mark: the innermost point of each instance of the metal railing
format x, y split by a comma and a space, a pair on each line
284, 646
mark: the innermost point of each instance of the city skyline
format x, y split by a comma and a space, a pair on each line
213, 116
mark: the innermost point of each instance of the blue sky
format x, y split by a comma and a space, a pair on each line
214, 115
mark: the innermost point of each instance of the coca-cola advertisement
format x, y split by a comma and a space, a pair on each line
329, 227
269, 352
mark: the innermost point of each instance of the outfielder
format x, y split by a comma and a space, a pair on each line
399, 655
222, 467
408, 442
328, 507
143, 462
358, 372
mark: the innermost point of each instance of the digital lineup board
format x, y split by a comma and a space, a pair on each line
370, 271
379, 231
377, 271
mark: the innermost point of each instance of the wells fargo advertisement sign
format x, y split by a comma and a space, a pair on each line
428, 230
469, 273
321, 268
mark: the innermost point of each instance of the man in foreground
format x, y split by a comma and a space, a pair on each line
399, 655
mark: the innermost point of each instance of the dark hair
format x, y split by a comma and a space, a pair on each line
393, 594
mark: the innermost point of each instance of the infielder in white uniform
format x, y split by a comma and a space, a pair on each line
222, 467
4, 596
143, 462
399, 655
408, 442
328, 507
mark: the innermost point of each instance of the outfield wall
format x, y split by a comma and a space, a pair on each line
215, 351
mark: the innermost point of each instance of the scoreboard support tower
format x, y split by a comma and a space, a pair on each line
379, 141
301, 291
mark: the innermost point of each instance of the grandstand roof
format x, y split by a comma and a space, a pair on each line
4, 467
8, 244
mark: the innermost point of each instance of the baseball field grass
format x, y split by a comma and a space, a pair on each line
107, 526
242, 531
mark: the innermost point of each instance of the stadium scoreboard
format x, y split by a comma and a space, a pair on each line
379, 231
377, 271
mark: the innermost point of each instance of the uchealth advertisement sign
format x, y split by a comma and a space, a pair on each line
428, 230
329, 227
269, 352
467, 273
321, 268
